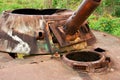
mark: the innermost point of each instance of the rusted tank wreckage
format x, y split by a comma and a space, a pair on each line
54, 31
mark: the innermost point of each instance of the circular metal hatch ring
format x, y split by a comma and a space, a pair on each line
87, 61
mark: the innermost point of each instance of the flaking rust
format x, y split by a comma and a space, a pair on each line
51, 31
33, 31
22, 32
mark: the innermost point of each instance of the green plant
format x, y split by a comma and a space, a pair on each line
117, 11
105, 23
59, 3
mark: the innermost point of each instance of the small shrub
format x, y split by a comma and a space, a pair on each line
117, 11
105, 23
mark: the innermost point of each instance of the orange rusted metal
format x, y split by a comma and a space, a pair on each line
55, 31
29, 26
87, 60
76, 26
78, 18
34, 31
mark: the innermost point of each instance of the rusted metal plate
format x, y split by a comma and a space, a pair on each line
79, 17
82, 36
41, 67
19, 30
34, 32
76, 29
39, 72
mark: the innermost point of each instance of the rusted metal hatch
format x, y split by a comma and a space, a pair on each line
87, 61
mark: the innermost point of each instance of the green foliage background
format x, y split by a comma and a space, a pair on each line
106, 18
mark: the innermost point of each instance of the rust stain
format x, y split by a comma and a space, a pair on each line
63, 30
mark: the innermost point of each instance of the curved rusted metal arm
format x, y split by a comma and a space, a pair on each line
79, 17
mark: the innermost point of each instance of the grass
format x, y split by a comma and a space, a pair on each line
105, 23
15, 4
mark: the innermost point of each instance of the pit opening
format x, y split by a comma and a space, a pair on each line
85, 56
13, 55
36, 11
97, 0
99, 50
41, 35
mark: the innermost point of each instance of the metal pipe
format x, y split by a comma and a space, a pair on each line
78, 18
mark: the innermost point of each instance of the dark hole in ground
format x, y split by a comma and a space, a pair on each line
99, 50
40, 34
13, 55
85, 56
97, 0
37, 11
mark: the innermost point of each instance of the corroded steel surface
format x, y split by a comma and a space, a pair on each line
76, 28
45, 68
33, 31
78, 18
20, 29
